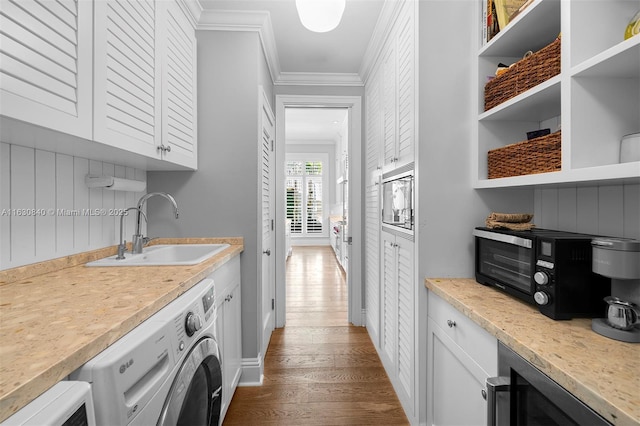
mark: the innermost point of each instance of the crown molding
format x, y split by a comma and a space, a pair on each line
318, 79
193, 9
241, 20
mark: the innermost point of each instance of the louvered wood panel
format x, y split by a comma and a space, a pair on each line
406, 85
390, 302
373, 126
372, 256
179, 89
406, 320
389, 111
266, 186
46, 63
127, 76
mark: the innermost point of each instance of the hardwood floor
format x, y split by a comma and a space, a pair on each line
319, 370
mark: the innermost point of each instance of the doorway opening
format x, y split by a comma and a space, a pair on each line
317, 137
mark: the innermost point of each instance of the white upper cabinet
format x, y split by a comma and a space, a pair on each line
46, 64
127, 76
595, 99
396, 79
121, 73
179, 100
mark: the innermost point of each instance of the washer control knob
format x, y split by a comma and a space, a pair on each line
192, 323
541, 278
541, 298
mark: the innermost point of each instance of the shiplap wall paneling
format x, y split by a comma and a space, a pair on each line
23, 243
611, 210
64, 197
587, 209
80, 198
632, 211
45, 198
54, 186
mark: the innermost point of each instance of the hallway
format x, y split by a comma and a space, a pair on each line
319, 370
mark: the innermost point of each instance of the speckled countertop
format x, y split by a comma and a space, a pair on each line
601, 372
57, 315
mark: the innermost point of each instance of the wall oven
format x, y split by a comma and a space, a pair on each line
397, 198
523, 395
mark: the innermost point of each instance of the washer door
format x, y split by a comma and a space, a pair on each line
196, 393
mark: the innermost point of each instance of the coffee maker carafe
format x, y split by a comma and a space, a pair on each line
619, 259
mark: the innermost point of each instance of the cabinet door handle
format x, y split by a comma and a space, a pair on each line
267, 252
451, 323
495, 384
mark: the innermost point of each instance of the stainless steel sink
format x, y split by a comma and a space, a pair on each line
171, 254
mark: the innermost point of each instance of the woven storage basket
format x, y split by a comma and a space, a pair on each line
523, 75
539, 155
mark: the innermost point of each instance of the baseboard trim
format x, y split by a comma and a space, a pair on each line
252, 371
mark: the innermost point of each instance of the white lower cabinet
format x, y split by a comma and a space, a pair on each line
461, 356
229, 327
397, 328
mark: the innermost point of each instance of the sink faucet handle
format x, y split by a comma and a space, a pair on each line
122, 248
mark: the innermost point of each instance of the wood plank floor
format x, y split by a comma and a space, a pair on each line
319, 370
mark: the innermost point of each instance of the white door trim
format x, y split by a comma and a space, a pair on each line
354, 276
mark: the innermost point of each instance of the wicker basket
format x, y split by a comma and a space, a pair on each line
539, 155
523, 75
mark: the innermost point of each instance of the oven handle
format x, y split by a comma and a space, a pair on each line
495, 384
504, 238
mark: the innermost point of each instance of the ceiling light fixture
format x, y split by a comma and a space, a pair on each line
320, 16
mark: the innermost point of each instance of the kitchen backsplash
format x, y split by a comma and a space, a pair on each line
611, 210
47, 211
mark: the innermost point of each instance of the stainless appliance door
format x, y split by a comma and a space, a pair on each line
523, 395
195, 397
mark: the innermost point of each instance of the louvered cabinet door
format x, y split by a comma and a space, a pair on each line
46, 63
389, 106
389, 302
179, 126
406, 86
127, 76
405, 367
372, 259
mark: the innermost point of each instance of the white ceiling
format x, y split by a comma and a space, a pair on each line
313, 125
302, 55
302, 51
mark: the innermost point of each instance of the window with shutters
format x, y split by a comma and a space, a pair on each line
305, 199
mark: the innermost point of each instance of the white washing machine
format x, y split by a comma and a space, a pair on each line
164, 372
64, 404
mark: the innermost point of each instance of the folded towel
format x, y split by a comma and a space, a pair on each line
509, 225
512, 221
510, 217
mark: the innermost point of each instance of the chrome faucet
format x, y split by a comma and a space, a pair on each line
138, 240
122, 247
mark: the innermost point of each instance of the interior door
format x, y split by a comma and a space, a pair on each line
267, 141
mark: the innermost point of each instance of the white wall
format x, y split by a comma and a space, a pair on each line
36, 186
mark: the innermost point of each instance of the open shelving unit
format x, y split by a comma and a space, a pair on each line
595, 99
